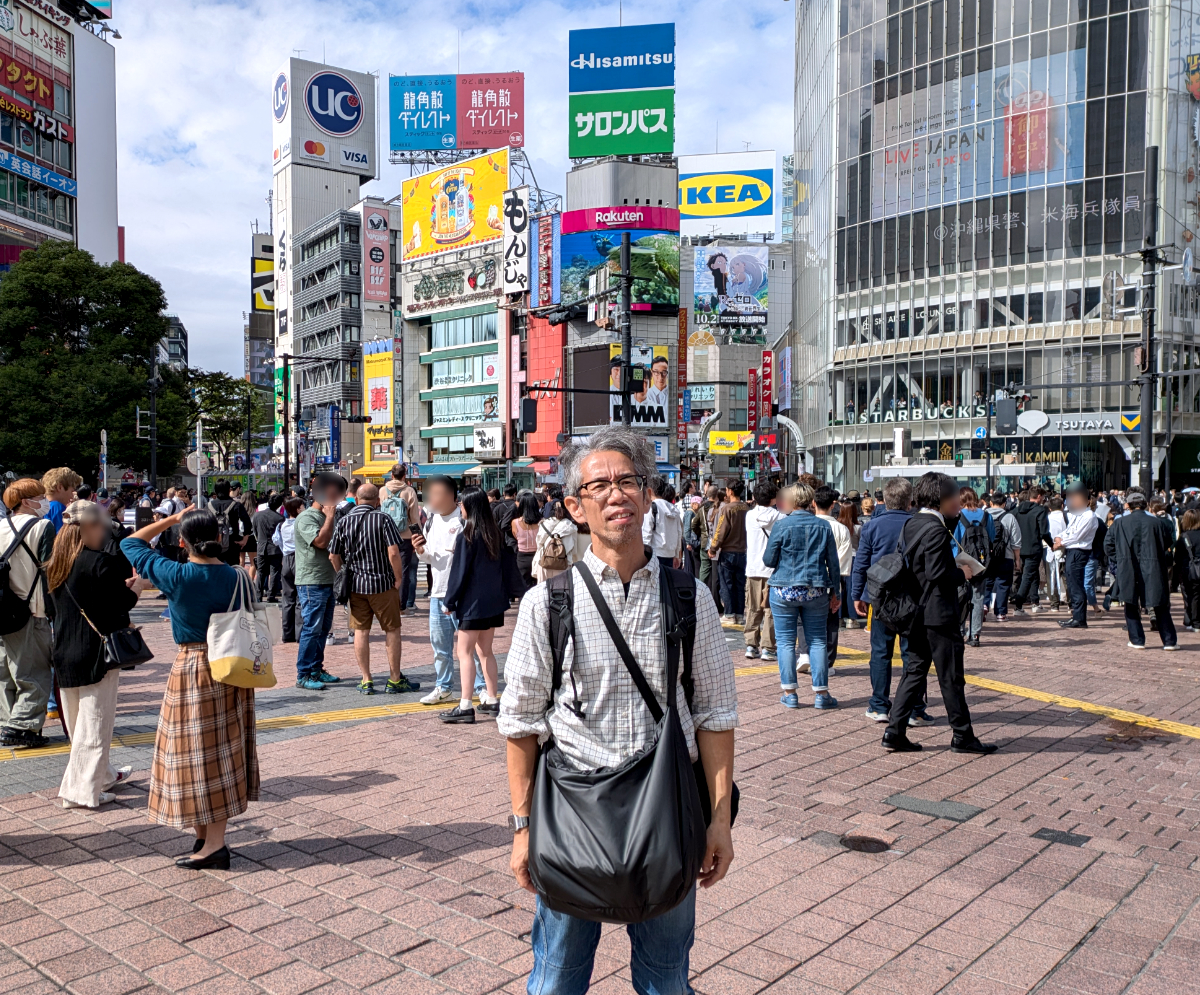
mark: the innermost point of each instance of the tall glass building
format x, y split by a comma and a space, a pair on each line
977, 184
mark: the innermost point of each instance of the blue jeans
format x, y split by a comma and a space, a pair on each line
1089, 580
564, 949
883, 644
316, 610
812, 618
442, 629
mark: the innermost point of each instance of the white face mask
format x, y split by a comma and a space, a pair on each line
43, 507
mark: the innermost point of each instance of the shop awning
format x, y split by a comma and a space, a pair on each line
540, 466
666, 468
447, 469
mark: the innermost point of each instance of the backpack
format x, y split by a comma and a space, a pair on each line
554, 553
14, 610
679, 624
225, 527
975, 541
1193, 570
999, 548
893, 590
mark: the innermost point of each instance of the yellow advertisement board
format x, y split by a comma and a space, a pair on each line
379, 386
454, 207
726, 443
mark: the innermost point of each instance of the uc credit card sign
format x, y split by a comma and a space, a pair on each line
637, 57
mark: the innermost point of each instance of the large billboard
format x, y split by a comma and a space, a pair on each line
324, 117
654, 261
454, 207
453, 283
377, 267
622, 91
731, 193
379, 388
650, 401
262, 273
730, 288
464, 111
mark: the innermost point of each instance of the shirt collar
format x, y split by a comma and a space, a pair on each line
933, 511
602, 571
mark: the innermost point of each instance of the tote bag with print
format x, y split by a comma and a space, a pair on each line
240, 640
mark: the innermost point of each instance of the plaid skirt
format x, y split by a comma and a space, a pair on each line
205, 766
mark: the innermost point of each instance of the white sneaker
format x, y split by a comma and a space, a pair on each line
768, 656
832, 672
1135, 646
727, 620
1037, 610
1173, 646
876, 716
437, 696
105, 798
751, 653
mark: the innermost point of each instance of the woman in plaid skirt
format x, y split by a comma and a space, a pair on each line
205, 766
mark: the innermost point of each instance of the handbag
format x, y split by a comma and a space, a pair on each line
240, 640
343, 585
619, 844
122, 649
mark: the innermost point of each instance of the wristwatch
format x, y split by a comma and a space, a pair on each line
518, 822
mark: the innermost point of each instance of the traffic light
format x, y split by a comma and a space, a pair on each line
528, 420
357, 419
1006, 416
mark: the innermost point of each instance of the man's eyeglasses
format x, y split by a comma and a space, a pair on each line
630, 484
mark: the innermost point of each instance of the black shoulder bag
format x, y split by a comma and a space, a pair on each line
620, 844
121, 649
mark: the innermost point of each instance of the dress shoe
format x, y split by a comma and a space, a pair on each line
973, 746
218, 860
1072, 624
900, 744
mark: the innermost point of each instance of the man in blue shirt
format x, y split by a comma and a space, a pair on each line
60, 484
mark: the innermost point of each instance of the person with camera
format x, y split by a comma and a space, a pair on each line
595, 722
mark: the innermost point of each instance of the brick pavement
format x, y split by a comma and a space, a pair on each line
377, 859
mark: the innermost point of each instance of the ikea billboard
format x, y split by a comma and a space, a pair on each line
730, 193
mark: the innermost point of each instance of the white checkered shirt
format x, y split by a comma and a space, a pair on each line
617, 723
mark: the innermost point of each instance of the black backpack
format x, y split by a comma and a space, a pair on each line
1193, 570
14, 610
892, 586
976, 543
999, 547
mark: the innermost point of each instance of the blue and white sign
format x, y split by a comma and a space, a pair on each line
687, 404
637, 57
279, 97
981, 432
423, 112
39, 174
334, 104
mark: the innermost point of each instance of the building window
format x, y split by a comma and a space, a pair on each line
466, 370
463, 331
63, 150
737, 420
62, 101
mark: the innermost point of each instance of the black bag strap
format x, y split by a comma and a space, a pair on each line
626, 653
40, 576
678, 595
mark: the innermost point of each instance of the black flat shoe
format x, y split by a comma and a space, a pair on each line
900, 744
218, 860
1072, 624
458, 715
198, 846
973, 746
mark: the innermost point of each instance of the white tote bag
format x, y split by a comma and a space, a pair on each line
240, 640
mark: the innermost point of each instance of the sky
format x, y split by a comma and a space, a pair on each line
194, 110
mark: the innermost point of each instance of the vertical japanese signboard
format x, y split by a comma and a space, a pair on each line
516, 240
377, 277
681, 422
767, 383
752, 401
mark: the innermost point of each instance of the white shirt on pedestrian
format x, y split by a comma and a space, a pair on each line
284, 536
759, 521
662, 530
23, 566
845, 547
1080, 529
441, 532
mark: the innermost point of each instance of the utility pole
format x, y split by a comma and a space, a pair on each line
287, 376
104, 459
626, 332
1149, 365
299, 440
153, 385
249, 427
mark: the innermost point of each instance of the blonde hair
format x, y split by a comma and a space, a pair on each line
799, 495
61, 477
21, 490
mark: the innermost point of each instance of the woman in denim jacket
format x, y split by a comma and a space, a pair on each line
804, 585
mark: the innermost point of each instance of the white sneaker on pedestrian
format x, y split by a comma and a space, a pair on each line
1135, 646
1173, 646
1037, 610
767, 656
437, 696
1018, 611
727, 620
751, 653
876, 716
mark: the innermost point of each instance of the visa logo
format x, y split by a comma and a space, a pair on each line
352, 158
711, 195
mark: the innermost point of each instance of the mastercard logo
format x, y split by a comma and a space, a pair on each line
314, 148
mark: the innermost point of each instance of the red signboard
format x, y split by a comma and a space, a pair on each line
544, 368
491, 110
636, 217
26, 82
752, 406
1026, 133
681, 380
767, 382
545, 260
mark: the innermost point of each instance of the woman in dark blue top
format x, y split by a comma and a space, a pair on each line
477, 595
205, 766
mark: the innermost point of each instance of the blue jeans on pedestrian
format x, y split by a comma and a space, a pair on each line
811, 617
1090, 572
1001, 586
564, 949
316, 611
442, 629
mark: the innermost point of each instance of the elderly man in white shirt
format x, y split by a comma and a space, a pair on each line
1076, 539
662, 528
759, 521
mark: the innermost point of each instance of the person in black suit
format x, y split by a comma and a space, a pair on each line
1140, 547
936, 634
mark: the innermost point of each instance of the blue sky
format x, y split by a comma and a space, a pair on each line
194, 109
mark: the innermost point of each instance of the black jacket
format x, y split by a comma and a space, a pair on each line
478, 586
505, 511
927, 547
264, 522
1140, 550
97, 582
1186, 549
1035, 528
239, 521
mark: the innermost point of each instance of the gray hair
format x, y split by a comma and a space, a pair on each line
616, 439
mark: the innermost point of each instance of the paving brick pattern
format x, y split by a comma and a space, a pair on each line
377, 858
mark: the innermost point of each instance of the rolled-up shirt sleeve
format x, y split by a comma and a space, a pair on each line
526, 702
714, 703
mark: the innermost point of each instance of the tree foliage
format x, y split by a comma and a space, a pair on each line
226, 402
76, 344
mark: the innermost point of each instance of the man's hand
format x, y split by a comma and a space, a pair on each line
835, 605
519, 863
718, 853
677, 562
861, 608
242, 542
1058, 544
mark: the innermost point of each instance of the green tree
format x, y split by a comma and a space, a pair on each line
226, 402
77, 340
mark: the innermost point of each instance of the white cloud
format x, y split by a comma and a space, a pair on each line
194, 109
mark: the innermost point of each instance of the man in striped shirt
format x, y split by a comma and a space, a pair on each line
367, 542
